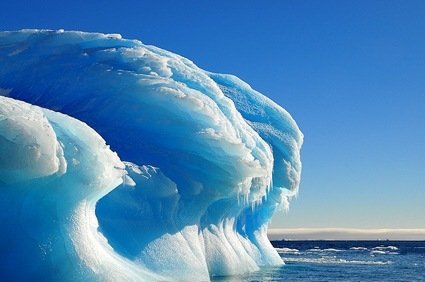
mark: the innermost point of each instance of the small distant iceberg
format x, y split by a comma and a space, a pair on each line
358, 249
384, 250
327, 250
121, 161
287, 250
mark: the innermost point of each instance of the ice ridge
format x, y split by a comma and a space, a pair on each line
208, 160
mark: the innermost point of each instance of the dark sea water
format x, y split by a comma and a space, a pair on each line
344, 261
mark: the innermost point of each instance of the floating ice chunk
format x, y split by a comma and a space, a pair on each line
287, 250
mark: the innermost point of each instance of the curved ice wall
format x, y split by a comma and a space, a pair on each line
208, 161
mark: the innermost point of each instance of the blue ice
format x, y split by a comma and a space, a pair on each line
195, 166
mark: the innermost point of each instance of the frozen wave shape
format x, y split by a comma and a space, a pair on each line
210, 160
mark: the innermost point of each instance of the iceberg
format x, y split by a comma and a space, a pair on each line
196, 164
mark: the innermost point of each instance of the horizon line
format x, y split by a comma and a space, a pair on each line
346, 233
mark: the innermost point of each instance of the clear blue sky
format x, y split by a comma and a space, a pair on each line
352, 73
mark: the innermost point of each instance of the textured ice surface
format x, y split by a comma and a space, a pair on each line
208, 161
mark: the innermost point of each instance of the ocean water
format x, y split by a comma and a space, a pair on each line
344, 261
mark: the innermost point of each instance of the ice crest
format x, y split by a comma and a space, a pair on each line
208, 162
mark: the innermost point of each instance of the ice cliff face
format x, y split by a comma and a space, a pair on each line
208, 161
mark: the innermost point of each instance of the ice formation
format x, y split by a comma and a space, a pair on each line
208, 160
